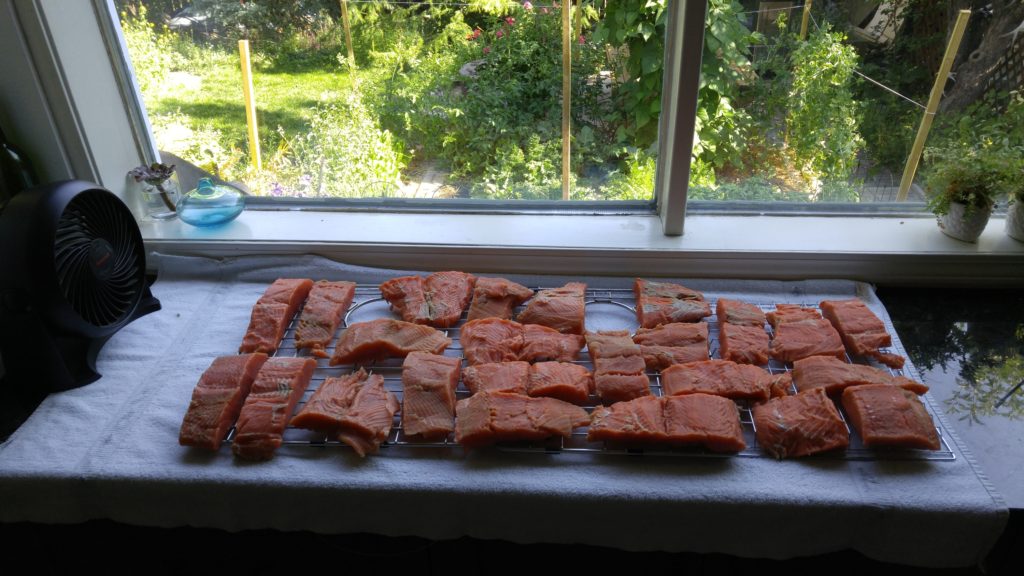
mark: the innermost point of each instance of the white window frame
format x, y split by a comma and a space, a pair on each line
74, 121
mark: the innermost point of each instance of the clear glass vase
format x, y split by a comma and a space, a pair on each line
161, 199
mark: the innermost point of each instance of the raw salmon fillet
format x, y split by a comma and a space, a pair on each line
696, 419
612, 388
511, 377
491, 340
862, 331
428, 394
791, 313
561, 380
800, 425
217, 399
890, 416
743, 344
484, 419
543, 343
739, 312
496, 298
611, 343
322, 314
437, 300
676, 343
718, 377
272, 313
385, 338
619, 366
664, 303
835, 375
781, 384
558, 308
355, 408
799, 339
278, 386
495, 340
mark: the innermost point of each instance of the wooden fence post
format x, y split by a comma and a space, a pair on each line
933, 104
566, 92
348, 36
250, 105
806, 17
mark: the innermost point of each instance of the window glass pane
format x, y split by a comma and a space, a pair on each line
830, 115
459, 99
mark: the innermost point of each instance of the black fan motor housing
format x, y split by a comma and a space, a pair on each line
72, 273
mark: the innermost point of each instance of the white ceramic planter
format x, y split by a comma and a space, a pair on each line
1015, 221
969, 228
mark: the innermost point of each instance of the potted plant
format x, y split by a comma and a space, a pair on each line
963, 184
1014, 185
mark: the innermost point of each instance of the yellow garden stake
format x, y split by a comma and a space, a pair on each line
933, 104
803, 21
566, 91
348, 36
250, 105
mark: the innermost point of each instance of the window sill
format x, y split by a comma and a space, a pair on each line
880, 250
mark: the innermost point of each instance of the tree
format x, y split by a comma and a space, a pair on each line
993, 31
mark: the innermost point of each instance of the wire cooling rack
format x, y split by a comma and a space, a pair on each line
606, 309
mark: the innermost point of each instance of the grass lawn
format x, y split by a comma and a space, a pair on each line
212, 95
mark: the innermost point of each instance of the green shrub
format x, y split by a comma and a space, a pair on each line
343, 154
822, 113
152, 51
635, 181
202, 145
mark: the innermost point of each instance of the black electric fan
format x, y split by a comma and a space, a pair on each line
72, 273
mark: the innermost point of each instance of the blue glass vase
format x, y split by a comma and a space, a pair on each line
211, 204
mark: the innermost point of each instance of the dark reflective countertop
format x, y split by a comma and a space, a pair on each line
969, 348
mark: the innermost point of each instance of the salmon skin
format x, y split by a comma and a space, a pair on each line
496, 298
272, 313
365, 342
558, 308
278, 386
484, 419
835, 375
740, 313
696, 419
798, 339
322, 314
675, 343
800, 425
495, 340
718, 377
618, 366
217, 399
889, 416
355, 409
861, 331
743, 344
428, 394
437, 300
664, 303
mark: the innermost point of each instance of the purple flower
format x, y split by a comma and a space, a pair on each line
510, 20
499, 33
527, 5
276, 189
487, 49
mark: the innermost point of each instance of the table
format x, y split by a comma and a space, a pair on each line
109, 450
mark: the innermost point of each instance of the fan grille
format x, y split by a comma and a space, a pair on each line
99, 258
